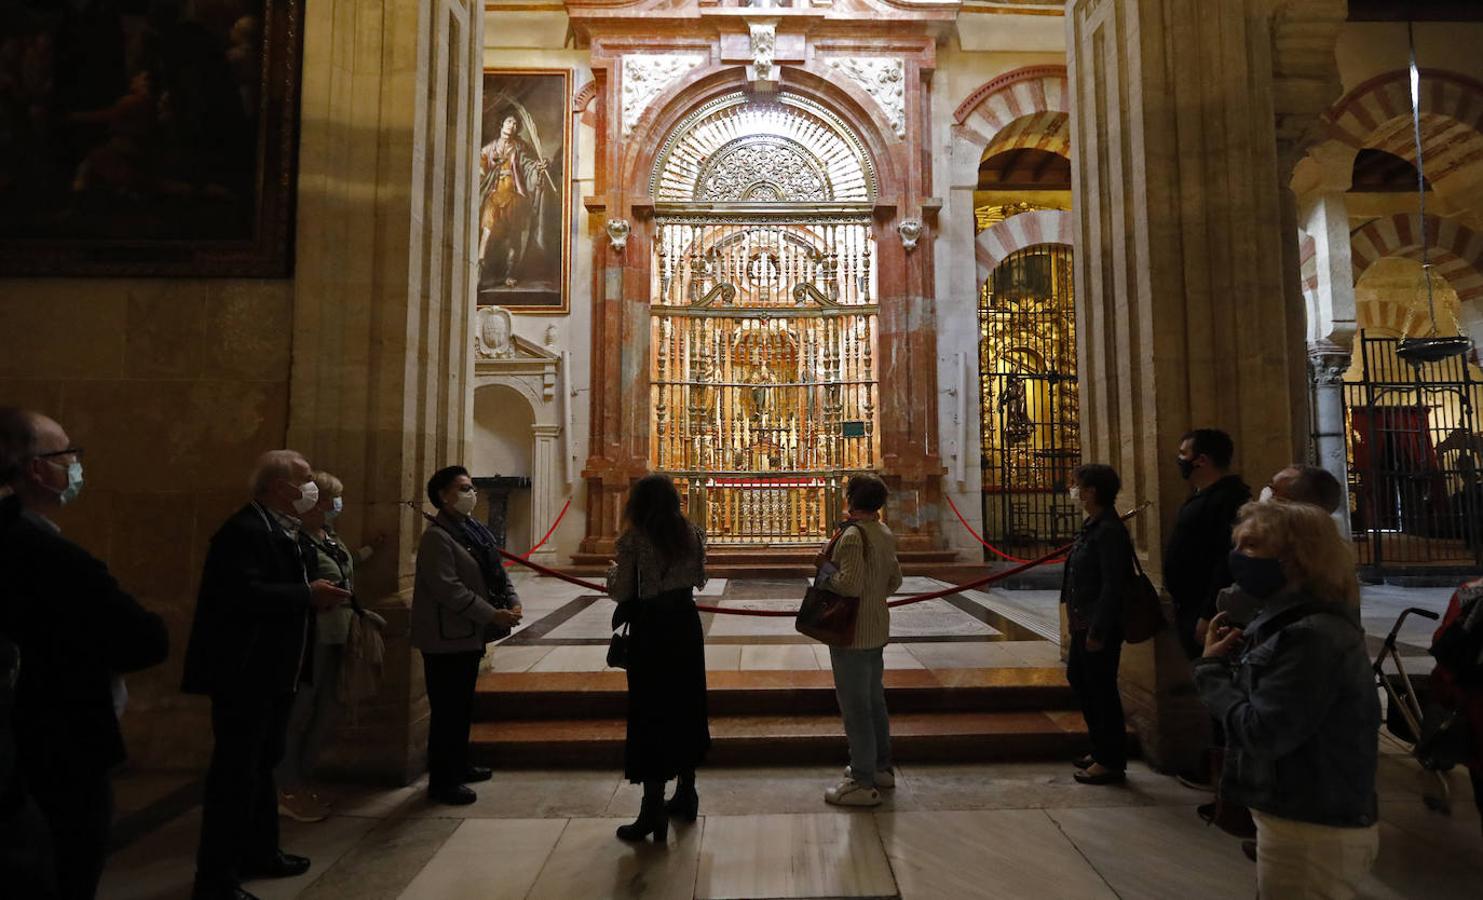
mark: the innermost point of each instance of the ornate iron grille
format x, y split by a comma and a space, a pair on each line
763, 331
1415, 491
1030, 417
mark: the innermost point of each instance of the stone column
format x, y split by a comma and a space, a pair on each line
1179, 276
546, 488
1328, 365
379, 391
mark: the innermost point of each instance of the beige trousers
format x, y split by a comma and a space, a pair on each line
1302, 860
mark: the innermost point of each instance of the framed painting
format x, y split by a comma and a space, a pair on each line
524, 207
148, 137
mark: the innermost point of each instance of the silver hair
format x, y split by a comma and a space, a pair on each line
272, 466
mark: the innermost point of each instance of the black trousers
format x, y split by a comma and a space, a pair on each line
78, 807
1093, 677
450, 681
239, 813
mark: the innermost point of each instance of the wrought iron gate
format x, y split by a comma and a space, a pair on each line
1030, 414
1416, 494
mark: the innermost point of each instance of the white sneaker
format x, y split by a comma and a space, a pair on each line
885, 779
852, 793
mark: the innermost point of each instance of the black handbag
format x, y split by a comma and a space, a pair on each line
826, 616
1143, 614
618, 643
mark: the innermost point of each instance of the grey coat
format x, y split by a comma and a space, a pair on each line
450, 599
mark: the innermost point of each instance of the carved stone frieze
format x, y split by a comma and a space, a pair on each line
763, 170
883, 78
646, 75
764, 34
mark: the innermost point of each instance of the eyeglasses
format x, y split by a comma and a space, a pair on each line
73, 451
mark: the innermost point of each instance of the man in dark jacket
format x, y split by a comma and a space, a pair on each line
1195, 567
76, 631
249, 651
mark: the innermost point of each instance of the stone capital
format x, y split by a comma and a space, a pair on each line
1327, 365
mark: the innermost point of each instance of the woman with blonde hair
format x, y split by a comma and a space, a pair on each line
1296, 695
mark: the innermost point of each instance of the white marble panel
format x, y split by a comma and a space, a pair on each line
573, 659
989, 854
487, 859
590, 862
778, 656
1134, 849
829, 854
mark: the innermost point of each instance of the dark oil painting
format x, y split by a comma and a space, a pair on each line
523, 203
148, 137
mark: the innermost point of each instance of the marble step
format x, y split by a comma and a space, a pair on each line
577, 695
795, 740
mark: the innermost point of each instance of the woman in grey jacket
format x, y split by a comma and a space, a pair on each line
460, 592
1299, 706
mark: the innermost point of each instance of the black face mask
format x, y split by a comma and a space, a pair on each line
1186, 467
1259, 577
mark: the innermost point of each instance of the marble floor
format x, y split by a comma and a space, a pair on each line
566, 629
946, 832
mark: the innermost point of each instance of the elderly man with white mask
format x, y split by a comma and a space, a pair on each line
250, 649
76, 629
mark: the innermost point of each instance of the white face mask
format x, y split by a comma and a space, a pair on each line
1075, 494
74, 482
465, 502
1266, 495
308, 497
337, 506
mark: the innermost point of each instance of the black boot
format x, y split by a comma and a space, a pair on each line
685, 804
651, 820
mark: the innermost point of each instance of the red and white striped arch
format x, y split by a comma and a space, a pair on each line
1023, 108
1455, 251
997, 242
1377, 114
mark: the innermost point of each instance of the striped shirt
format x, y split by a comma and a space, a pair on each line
868, 569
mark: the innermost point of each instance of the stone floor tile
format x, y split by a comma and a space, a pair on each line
778, 656
1027, 786
573, 659
723, 657
528, 794
487, 859
756, 791
516, 659
1143, 851
986, 855
382, 864
589, 862
827, 854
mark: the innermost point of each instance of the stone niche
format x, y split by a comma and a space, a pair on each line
518, 421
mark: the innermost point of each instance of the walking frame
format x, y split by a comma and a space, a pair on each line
1404, 713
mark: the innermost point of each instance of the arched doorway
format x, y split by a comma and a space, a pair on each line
763, 317
1029, 410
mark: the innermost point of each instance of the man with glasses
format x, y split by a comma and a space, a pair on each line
76, 631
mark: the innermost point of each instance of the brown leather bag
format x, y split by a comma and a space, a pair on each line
1143, 614
826, 616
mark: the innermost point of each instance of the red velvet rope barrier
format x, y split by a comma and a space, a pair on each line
978, 537
544, 538
1025, 566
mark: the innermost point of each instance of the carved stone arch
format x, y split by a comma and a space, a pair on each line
1456, 252
1042, 226
1377, 114
741, 148
849, 106
1013, 95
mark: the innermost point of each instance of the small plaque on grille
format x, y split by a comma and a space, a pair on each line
852, 429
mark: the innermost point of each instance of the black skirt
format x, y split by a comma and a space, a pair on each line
668, 728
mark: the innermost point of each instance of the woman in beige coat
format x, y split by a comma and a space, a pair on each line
863, 564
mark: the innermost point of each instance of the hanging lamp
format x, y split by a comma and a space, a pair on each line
1433, 347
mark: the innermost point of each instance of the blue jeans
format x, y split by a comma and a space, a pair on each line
859, 684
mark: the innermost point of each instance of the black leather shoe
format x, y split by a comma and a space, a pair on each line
279, 865
476, 774
1083, 762
456, 795
1108, 777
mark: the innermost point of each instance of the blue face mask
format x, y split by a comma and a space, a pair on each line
337, 505
74, 482
1261, 577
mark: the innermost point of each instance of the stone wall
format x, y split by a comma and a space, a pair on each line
172, 387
